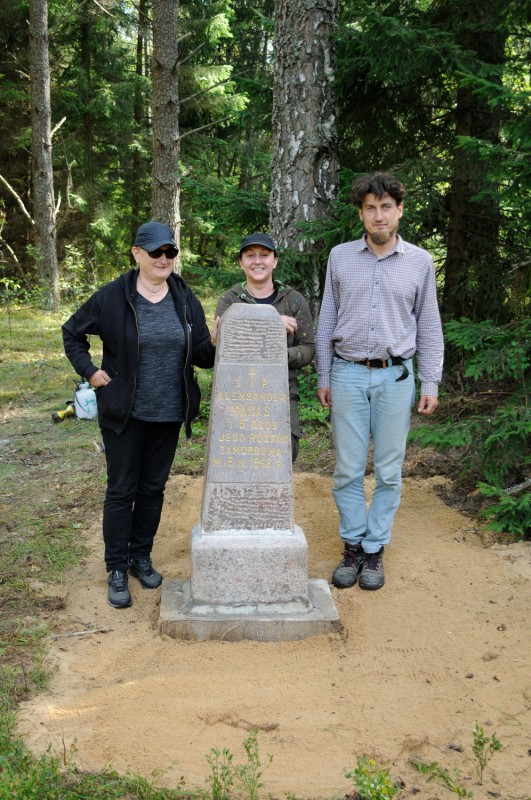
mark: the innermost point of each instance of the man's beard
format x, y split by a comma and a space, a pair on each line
382, 237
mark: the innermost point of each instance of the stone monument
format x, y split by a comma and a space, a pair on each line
249, 560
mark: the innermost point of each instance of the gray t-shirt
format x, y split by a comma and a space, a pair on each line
159, 395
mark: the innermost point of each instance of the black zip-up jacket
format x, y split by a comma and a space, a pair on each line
110, 314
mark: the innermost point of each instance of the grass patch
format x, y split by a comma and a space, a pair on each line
52, 481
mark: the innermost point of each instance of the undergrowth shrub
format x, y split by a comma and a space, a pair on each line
310, 410
372, 781
495, 445
228, 780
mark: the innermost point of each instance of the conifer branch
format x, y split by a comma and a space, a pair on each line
204, 91
18, 199
190, 55
54, 130
209, 125
103, 9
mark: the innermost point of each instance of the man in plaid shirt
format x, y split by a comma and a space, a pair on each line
379, 309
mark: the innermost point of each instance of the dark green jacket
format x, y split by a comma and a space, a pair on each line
301, 344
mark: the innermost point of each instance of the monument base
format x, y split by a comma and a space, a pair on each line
249, 567
184, 618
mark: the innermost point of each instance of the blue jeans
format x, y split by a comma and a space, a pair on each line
369, 402
138, 464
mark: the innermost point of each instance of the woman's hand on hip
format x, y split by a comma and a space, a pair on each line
100, 378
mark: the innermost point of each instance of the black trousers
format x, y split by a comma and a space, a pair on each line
138, 464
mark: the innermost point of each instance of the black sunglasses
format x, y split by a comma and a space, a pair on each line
171, 252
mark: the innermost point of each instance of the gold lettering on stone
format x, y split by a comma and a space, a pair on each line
248, 474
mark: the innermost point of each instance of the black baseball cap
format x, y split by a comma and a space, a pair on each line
152, 235
258, 238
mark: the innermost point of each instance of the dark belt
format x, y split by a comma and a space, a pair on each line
377, 363
381, 363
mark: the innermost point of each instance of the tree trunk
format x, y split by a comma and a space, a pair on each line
165, 186
136, 178
86, 93
305, 161
42, 169
85, 35
473, 277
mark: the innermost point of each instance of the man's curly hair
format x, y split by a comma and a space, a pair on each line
378, 184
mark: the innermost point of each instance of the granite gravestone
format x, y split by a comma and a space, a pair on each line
247, 548
249, 561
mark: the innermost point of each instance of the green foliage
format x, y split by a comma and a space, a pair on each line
495, 445
417, 58
12, 291
101, 86
34, 779
218, 214
225, 773
434, 772
492, 351
310, 410
221, 777
372, 781
483, 749
75, 282
249, 773
508, 513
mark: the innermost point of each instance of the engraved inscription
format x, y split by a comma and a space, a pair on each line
252, 425
254, 507
253, 341
248, 473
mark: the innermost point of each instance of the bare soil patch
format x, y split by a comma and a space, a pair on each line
444, 643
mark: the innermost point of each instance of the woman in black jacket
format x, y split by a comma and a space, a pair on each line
154, 332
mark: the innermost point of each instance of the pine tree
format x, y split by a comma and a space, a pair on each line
41, 149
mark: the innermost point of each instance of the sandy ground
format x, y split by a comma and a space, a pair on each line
444, 643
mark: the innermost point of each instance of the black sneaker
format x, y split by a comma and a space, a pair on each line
142, 568
119, 595
346, 573
372, 571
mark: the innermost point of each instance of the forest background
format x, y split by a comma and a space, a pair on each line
220, 118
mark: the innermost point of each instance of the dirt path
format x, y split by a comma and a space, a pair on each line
445, 643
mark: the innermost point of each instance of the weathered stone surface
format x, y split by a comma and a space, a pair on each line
183, 618
249, 567
248, 473
249, 575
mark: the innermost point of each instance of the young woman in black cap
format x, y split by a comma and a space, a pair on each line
258, 260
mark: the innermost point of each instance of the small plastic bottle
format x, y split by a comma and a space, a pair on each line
85, 402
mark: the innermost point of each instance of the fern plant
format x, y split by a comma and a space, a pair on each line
496, 445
